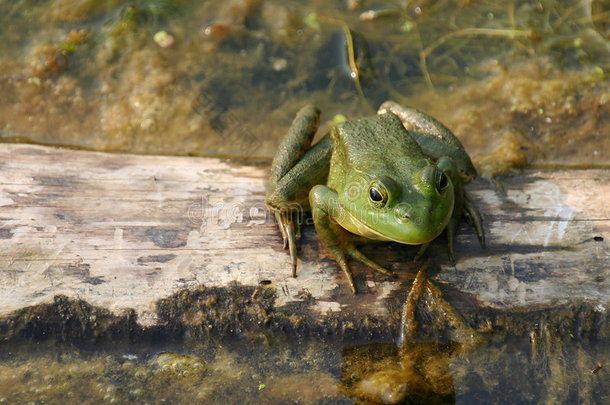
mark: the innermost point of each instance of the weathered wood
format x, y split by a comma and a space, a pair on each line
123, 231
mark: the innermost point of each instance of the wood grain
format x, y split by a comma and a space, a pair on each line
123, 231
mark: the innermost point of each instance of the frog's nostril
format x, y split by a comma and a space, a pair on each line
402, 212
404, 218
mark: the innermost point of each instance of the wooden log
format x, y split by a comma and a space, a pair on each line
124, 231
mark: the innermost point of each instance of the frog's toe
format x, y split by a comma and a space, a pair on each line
348, 273
408, 322
475, 216
280, 223
358, 255
292, 248
289, 235
350, 251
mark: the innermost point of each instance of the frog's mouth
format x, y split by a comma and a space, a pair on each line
356, 226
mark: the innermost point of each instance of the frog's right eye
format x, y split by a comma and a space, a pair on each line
434, 181
378, 195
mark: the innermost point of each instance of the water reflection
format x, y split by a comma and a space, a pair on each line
438, 358
416, 369
549, 356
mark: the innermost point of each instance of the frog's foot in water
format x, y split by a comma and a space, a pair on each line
337, 240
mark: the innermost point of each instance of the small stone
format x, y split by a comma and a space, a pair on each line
164, 39
279, 64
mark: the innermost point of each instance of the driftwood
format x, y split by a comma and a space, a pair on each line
124, 231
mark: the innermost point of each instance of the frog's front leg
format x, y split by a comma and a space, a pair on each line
296, 168
325, 211
463, 208
471, 211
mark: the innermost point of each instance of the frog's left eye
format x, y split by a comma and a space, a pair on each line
375, 195
442, 181
378, 195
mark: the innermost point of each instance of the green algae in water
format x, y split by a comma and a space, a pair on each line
227, 374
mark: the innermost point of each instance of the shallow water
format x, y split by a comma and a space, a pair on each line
69, 350
521, 83
518, 82
259, 369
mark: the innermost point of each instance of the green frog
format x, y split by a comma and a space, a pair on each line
397, 176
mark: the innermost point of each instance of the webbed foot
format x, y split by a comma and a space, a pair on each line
348, 250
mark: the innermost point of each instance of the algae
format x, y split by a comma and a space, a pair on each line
520, 83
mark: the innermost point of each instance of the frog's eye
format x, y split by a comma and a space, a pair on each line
378, 195
441, 180
375, 195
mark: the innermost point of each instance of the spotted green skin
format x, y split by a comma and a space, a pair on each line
397, 176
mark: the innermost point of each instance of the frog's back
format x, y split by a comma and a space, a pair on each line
377, 143
433, 137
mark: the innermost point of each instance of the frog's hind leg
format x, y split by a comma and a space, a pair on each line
296, 142
297, 166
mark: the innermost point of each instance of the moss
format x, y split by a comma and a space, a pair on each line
68, 320
222, 344
240, 311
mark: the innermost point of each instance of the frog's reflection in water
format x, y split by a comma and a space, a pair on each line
416, 368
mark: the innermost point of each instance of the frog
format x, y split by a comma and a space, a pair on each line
397, 176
